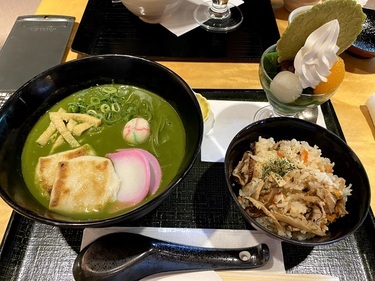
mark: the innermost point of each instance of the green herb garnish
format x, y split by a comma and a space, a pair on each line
279, 166
111, 104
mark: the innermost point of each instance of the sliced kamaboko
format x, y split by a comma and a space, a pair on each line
155, 169
133, 169
155, 172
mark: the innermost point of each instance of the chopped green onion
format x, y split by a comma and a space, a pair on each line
105, 108
112, 104
115, 107
73, 107
109, 90
111, 118
95, 101
92, 112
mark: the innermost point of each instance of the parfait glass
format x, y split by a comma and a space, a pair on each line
218, 16
304, 107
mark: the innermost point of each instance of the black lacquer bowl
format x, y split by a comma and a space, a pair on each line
347, 165
32, 100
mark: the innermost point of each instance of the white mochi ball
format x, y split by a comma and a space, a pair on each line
286, 87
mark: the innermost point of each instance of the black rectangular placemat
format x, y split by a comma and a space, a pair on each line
34, 251
109, 28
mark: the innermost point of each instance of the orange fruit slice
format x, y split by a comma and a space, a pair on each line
333, 80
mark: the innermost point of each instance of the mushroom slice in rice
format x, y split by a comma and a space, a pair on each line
244, 170
259, 205
340, 208
253, 188
307, 226
329, 199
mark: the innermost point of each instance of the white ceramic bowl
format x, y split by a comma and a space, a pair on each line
298, 11
152, 11
291, 5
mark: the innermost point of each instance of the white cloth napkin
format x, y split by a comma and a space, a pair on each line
182, 21
370, 104
211, 238
229, 117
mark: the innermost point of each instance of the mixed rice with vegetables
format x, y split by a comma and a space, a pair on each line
289, 188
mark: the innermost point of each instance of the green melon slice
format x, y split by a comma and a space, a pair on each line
348, 12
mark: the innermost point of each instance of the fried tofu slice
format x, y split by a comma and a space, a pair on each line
60, 126
84, 184
47, 134
46, 169
67, 125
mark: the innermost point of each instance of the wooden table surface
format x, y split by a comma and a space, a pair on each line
349, 101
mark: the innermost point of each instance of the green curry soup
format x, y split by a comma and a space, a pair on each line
115, 105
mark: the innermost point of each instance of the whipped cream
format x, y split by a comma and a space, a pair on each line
314, 60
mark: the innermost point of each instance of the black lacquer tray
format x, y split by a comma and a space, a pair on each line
109, 28
34, 251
